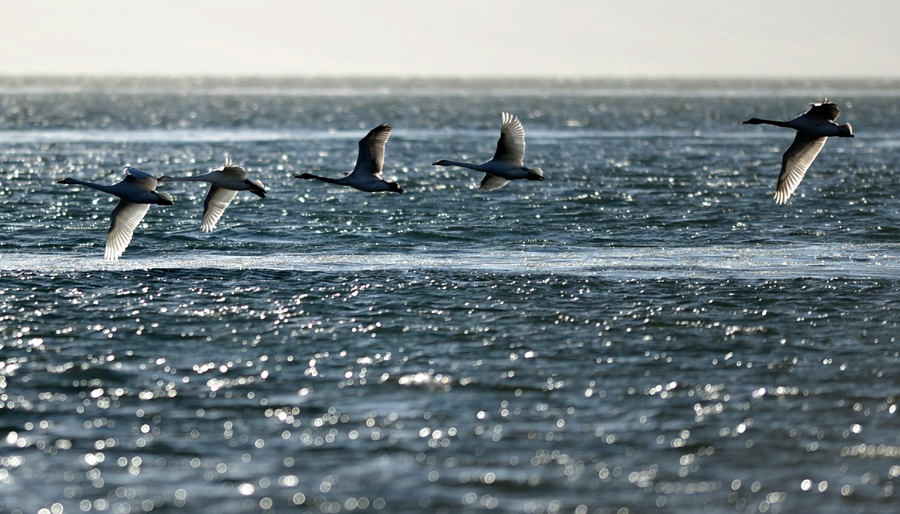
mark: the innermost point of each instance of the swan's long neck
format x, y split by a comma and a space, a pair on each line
323, 179
100, 187
198, 178
475, 167
757, 121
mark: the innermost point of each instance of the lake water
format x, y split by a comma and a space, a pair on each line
643, 331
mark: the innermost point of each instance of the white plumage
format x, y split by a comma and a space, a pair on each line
366, 175
225, 182
508, 162
813, 128
137, 191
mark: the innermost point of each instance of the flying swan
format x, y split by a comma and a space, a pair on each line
813, 128
225, 182
507, 162
136, 192
366, 176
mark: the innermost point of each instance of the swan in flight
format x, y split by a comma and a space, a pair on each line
507, 162
225, 182
813, 128
136, 192
366, 176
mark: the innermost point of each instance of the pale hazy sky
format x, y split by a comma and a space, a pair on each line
455, 38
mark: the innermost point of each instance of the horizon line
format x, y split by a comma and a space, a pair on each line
516, 78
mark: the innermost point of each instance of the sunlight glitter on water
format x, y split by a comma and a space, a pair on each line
641, 331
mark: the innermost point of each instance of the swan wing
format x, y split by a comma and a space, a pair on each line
232, 170
511, 146
826, 110
217, 200
371, 151
491, 182
795, 162
139, 179
125, 218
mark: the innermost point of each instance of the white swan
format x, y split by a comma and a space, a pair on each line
507, 162
813, 128
225, 182
137, 191
366, 175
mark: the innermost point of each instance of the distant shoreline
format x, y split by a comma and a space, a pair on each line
356, 85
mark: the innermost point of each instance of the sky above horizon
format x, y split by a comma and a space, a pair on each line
462, 38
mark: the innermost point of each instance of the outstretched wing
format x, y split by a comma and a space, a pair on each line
511, 146
217, 200
125, 218
233, 170
826, 110
795, 162
138, 178
491, 182
371, 151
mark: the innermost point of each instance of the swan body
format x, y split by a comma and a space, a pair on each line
225, 182
508, 161
137, 191
813, 128
366, 175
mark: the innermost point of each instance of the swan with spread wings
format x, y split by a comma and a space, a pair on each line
366, 175
508, 162
137, 192
813, 128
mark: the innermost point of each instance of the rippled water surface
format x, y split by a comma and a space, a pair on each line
643, 331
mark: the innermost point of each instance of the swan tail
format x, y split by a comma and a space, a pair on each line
257, 188
164, 199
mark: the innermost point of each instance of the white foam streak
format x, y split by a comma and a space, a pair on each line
814, 261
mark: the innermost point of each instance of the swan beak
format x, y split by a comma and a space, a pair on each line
435, 163
61, 181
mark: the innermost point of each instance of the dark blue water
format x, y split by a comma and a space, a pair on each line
643, 331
